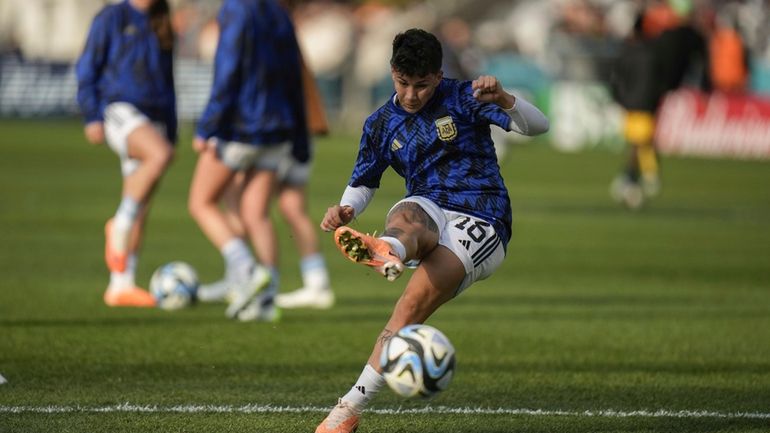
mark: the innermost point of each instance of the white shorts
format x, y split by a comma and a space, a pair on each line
243, 156
471, 239
120, 120
292, 172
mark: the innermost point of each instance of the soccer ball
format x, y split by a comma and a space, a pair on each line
174, 285
418, 360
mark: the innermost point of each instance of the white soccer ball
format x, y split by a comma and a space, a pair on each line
174, 285
418, 361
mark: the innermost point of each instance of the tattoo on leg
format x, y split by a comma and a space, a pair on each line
393, 232
413, 212
385, 335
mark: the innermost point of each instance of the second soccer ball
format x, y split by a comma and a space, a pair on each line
174, 285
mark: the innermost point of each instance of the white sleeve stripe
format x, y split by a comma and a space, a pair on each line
357, 198
526, 118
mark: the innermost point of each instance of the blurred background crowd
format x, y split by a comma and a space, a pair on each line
558, 53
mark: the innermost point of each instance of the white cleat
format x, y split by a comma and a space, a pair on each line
261, 309
242, 293
306, 297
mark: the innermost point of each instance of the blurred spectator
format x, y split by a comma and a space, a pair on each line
729, 57
462, 59
51, 30
682, 51
660, 16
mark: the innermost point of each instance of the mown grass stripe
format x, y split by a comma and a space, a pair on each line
440, 410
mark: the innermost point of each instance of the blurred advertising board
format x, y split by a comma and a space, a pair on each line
47, 89
584, 116
717, 125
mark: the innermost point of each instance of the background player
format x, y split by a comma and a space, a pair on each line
128, 43
292, 179
254, 114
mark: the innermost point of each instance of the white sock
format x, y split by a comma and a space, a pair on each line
314, 272
397, 246
238, 260
124, 220
124, 280
366, 387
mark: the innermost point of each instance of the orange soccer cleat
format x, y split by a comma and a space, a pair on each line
370, 251
116, 260
342, 419
128, 297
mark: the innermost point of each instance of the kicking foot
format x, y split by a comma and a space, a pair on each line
128, 297
342, 419
306, 297
370, 251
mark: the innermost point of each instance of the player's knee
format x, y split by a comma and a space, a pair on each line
198, 206
159, 160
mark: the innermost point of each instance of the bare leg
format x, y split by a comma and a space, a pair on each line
433, 283
293, 207
316, 288
255, 215
231, 204
209, 181
414, 228
146, 144
125, 231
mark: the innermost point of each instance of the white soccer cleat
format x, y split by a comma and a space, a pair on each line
261, 309
243, 292
306, 297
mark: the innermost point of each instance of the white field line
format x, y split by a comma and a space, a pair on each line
440, 410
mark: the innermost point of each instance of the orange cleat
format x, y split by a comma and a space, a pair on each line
129, 297
116, 260
370, 251
342, 419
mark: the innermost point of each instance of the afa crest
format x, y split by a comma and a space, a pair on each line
396, 145
446, 128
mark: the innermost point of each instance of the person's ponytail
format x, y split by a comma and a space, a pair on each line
160, 22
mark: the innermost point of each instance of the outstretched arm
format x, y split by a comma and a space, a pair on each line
526, 119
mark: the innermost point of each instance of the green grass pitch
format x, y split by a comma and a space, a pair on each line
599, 320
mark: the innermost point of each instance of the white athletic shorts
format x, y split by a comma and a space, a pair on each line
471, 239
292, 172
243, 156
120, 120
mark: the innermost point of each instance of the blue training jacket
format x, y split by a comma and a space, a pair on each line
123, 62
257, 95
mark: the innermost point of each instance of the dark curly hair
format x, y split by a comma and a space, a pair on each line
416, 53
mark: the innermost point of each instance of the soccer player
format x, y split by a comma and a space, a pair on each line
126, 94
291, 194
255, 116
455, 221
